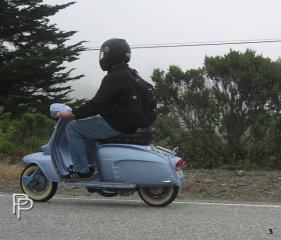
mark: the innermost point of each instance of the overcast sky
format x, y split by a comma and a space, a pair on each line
166, 21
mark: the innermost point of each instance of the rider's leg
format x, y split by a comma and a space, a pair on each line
90, 145
77, 131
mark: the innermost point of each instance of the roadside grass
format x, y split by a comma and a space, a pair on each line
10, 172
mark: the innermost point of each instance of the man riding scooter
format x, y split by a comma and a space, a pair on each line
126, 161
107, 114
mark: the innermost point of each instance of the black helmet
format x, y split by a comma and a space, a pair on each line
114, 51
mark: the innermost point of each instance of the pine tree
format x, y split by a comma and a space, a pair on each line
32, 57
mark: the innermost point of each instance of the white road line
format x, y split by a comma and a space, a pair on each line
231, 204
175, 202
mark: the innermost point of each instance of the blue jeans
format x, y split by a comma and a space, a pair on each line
81, 135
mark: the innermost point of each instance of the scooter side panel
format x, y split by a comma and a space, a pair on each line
134, 164
144, 173
44, 161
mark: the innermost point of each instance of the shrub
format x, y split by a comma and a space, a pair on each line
33, 144
32, 125
30, 132
7, 146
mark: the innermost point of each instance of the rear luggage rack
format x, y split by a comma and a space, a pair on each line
167, 151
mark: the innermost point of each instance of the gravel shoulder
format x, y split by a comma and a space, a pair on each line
201, 184
254, 186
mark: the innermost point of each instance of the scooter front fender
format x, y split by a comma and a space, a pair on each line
44, 162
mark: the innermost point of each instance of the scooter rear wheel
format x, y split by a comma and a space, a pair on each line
158, 197
40, 189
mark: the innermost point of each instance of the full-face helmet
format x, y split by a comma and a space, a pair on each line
114, 51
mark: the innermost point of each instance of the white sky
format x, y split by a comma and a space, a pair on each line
166, 21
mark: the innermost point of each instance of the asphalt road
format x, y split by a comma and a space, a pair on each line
125, 218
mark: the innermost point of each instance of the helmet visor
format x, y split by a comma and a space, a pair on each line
101, 55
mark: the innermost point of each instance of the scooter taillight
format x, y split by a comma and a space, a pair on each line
180, 163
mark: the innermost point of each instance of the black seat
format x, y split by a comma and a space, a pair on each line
142, 138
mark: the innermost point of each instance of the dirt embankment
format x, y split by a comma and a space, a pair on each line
258, 186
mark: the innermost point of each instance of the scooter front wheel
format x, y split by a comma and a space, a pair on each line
40, 189
159, 196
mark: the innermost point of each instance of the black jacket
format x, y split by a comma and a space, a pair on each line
111, 100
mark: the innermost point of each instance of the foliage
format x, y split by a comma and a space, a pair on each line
184, 97
32, 54
5, 133
32, 125
230, 109
171, 134
29, 133
245, 87
33, 144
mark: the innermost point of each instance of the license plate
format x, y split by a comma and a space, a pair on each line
180, 173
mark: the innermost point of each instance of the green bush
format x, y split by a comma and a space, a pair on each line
7, 146
33, 144
29, 132
32, 125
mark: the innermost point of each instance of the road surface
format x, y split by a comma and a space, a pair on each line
126, 218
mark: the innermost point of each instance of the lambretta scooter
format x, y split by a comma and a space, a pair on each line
123, 164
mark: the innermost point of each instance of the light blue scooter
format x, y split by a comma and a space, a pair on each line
124, 164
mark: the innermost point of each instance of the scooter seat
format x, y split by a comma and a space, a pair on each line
141, 138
